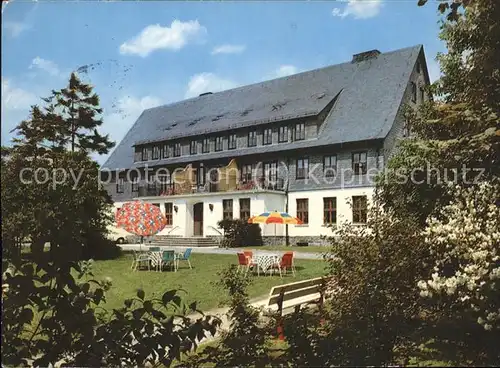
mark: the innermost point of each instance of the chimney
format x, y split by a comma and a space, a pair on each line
204, 94
356, 58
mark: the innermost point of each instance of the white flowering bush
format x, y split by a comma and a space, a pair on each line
465, 239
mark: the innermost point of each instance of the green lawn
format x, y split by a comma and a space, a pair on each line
308, 249
198, 282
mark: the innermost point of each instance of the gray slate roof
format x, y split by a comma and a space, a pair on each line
371, 94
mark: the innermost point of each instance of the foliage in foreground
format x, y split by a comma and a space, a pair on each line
465, 241
50, 317
244, 344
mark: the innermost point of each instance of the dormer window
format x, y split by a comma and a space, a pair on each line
299, 132
268, 136
193, 148
156, 152
144, 154
177, 150
252, 138
218, 144
205, 145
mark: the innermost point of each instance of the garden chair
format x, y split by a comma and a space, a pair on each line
185, 257
244, 263
168, 258
139, 259
248, 254
286, 263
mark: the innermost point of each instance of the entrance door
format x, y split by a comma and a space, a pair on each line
198, 219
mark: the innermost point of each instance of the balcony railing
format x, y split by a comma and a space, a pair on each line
172, 189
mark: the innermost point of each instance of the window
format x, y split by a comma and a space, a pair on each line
227, 209
329, 211
218, 144
156, 204
200, 176
299, 132
135, 182
193, 148
252, 138
205, 146
156, 152
418, 67
302, 168
168, 214
406, 130
165, 152
330, 165
246, 173
165, 182
144, 154
359, 163
120, 185
151, 182
422, 94
231, 141
359, 209
271, 172
413, 92
283, 134
303, 210
177, 150
268, 136
244, 208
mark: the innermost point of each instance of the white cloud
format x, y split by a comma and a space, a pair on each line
45, 65
228, 49
207, 82
14, 98
16, 103
285, 70
359, 9
15, 28
155, 37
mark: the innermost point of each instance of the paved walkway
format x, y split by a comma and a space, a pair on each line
216, 250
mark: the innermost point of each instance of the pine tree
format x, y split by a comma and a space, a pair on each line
78, 108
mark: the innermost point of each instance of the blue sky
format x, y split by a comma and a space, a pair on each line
143, 54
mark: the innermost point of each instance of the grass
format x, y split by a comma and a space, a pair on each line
199, 283
283, 248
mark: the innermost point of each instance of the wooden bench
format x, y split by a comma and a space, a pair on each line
294, 295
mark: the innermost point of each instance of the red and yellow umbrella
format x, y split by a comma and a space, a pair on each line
275, 217
143, 219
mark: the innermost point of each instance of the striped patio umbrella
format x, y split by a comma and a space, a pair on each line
275, 217
143, 219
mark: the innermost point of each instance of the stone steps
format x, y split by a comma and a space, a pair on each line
184, 242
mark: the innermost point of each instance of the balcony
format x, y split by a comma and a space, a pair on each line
175, 189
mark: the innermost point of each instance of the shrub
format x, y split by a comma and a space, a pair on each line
239, 233
49, 317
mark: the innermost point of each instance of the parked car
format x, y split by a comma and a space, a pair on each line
119, 236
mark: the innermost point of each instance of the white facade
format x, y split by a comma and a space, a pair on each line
315, 227
260, 201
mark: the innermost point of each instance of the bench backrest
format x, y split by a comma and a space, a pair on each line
295, 290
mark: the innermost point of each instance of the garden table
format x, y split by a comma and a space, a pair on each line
265, 261
156, 257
